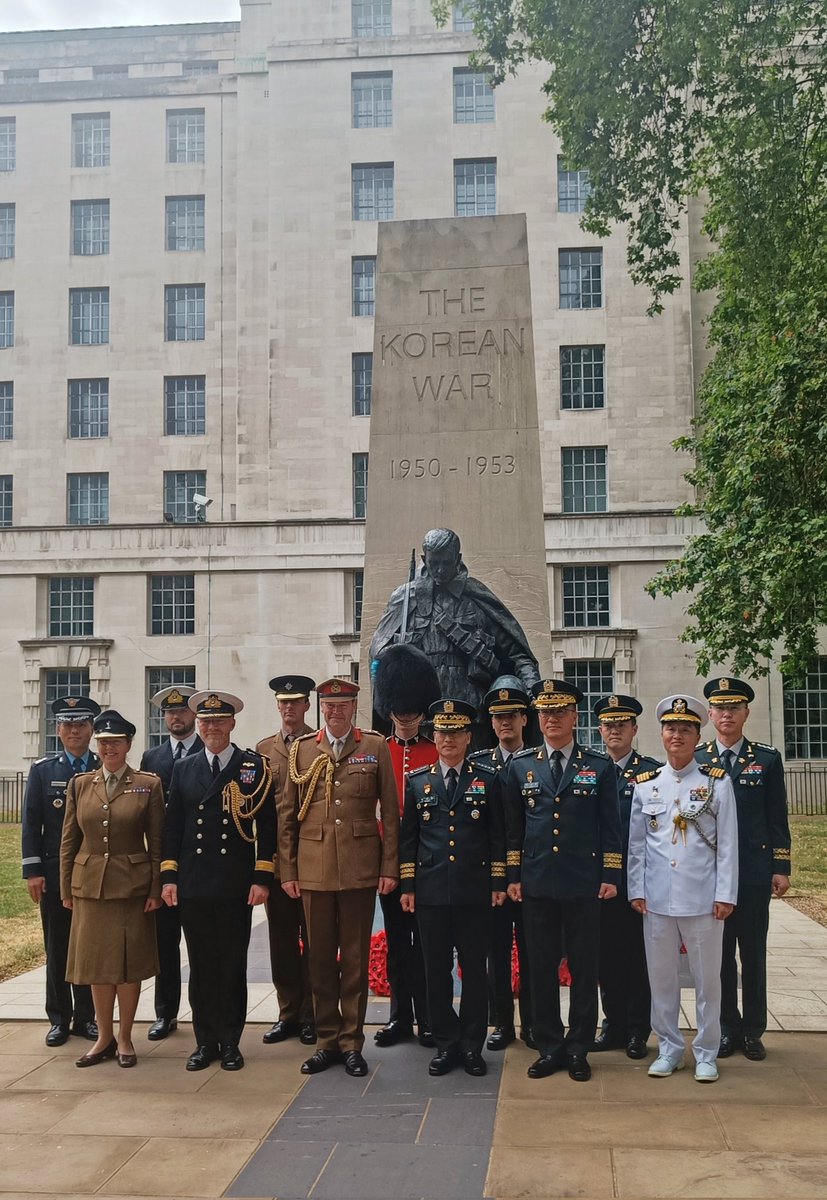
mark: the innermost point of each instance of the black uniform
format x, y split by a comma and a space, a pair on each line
159, 760
452, 857
43, 812
506, 924
763, 851
214, 866
624, 980
561, 846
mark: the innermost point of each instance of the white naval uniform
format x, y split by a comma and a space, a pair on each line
681, 878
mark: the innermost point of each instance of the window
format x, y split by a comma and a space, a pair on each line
462, 22
373, 192
8, 143
185, 320
6, 320
55, 684
88, 499
581, 278
581, 377
89, 316
203, 67
179, 489
107, 73
364, 286
371, 18
6, 412
185, 405
358, 586
185, 223
573, 188
805, 714
7, 230
157, 678
473, 97
90, 226
90, 140
172, 604
584, 479
185, 135
71, 606
88, 408
585, 597
362, 380
595, 678
6, 500
475, 187
371, 100
360, 485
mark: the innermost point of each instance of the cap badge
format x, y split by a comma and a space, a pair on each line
548, 685
503, 693
212, 701
71, 702
614, 702
448, 706
175, 698
335, 687
288, 687
723, 684
679, 706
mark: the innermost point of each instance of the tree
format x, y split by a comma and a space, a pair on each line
725, 100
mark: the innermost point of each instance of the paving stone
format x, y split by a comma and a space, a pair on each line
530, 1173
719, 1174
453, 1122
282, 1169
376, 1171
35, 1112
361, 1122
62, 1166
171, 1167
795, 1129
152, 1114
584, 1123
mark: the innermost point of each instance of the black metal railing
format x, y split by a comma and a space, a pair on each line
11, 798
807, 789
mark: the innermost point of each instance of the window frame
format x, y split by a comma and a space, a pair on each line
179, 488
185, 138
573, 276
93, 232
95, 481
89, 410
359, 476
376, 110
193, 224
581, 375
480, 205
477, 106
363, 294
584, 481
193, 322
178, 596
72, 606
585, 592
89, 315
91, 140
174, 402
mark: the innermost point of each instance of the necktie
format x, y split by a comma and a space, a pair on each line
179, 753
451, 785
77, 766
111, 784
216, 766
556, 768
619, 773
727, 760
337, 744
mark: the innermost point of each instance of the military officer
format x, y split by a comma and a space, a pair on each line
285, 916
219, 842
564, 857
757, 775
331, 854
69, 1008
452, 871
683, 880
183, 740
507, 705
624, 982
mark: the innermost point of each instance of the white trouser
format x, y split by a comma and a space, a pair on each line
703, 938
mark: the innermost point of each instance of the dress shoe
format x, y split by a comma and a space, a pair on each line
58, 1035
92, 1060
281, 1031
500, 1037
754, 1049
231, 1058
545, 1065
606, 1040
392, 1033
528, 1037
162, 1028
355, 1064
85, 1029
636, 1047
426, 1038
579, 1068
442, 1062
307, 1037
473, 1063
663, 1066
706, 1072
201, 1058
320, 1061
728, 1046
127, 1060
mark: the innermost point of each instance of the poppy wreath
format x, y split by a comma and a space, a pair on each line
378, 964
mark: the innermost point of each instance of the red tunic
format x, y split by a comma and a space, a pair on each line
406, 757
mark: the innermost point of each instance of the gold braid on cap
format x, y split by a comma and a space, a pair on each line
242, 805
311, 778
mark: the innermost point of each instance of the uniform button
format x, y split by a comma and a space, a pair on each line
338, 821
672, 862
556, 831
452, 828
223, 849
223, 837
198, 851
200, 807
199, 821
199, 835
105, 823
451, 858
106, 856
452, 843
226, 821
557, 816
337, 801
335, 782
105, 807
452, 813
556, 849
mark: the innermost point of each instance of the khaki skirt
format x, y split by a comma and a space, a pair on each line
112, 941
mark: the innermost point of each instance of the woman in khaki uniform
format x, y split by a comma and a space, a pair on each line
110, 858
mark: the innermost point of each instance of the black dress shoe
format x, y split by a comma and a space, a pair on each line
162, 1028
307, 1037
608, 1041
320, 1061
754, 1049
355, 1064
201, 1057
545, 1065
501, 1037
426, 1038
92, 1060
636, 1047
579, 1068
392, 1033
442, 1062
473, 1063
527, 1037
58, 1035
727, 1046
281, 1031
85, 1029
231, 1059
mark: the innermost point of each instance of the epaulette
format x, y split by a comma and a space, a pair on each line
47, 758
712, 772
419, 771
151, 774
764, 746
302, 737
257, 753
594, 750
647, 775
483, 766
525, 751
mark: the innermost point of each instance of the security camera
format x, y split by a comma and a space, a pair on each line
200, 501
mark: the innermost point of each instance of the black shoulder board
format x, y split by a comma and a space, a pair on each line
419, 771
712, 772
526, 750
484, 766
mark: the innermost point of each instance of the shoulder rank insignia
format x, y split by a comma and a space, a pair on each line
524, 752
712, 772
647, 775
418, 771
487, 768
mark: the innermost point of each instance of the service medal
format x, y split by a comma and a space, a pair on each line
475, 812
426, 816
57, 802
653, 824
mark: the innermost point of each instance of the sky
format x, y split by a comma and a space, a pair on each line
78, 14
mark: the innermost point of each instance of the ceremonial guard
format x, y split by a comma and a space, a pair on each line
683, 880
757, 776
564, 857
624, 980
507, 705
452, 871
68, 1008
183, 740
331, 854
285, 917
219, 843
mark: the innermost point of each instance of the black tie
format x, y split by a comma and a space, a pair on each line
556, 768
78, 767
619, 771
727, 758
216, 767
451, 785
179, 753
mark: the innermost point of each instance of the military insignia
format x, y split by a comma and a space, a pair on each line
503, 693
548, 685
427, 789
108, 726
426, 816
335, 687
531, 802
175, 698
448, 706
71, 702
57, 802
288, 687
212, 701
529, 778
614, 702
475, 814
475, 788
653, 824
679, 705
362, 758
723, 685
247, 775
699, 795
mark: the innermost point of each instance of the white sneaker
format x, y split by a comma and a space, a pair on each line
706, 1072
664, 1066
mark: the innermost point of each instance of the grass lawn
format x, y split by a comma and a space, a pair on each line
808, 891
21, 937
